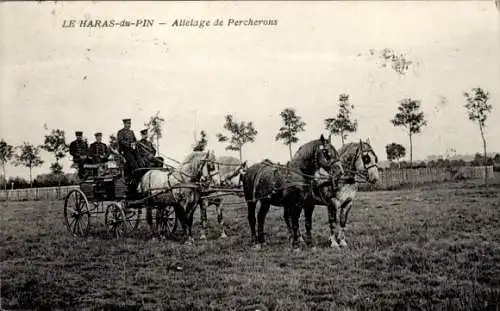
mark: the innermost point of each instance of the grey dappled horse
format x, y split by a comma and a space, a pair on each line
359, 162
231, 171
290, 187
174, 187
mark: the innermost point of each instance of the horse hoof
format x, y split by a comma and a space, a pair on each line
296, 250
334, 245
314, 249
203, 237
257, 247
301, 239
343, 243
223, 235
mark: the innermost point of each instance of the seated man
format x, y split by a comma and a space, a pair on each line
98, 151
146, 151
79, 150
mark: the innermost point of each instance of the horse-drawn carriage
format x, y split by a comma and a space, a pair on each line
104, 191
169, 196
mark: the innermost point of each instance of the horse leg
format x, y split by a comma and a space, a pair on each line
296, 210
251, 219
220, 217
332, 221
308, 212
189, 219
264, 209
204, 220
181, 215
149, 215
288, 221
344, 212
294, 205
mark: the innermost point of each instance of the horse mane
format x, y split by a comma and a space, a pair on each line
348, 151
303, 158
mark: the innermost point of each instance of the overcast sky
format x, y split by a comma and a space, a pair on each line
89, 79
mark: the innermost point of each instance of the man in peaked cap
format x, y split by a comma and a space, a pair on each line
146, 150
127, 147
78, 149
98, 151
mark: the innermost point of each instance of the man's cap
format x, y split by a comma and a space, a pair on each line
145, 131
78, 133
98, 134
126, 120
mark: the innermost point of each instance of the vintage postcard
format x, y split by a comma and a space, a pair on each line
250, 155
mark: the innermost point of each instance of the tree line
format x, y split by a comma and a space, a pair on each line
409, 116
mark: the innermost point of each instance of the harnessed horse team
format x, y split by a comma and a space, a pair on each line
317, 174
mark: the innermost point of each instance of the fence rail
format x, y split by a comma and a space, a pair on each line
398, 177
389, 179
30, 194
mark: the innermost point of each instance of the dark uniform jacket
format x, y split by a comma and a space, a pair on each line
98, 152
146, 151
77, 149
125, 139
147, 147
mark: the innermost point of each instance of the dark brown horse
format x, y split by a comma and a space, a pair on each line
290, 187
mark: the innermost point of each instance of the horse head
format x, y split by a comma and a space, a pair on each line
366, 162
327, 157
209, 171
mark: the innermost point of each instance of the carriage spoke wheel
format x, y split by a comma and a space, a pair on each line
164, 223
132, 216
115, 220
76, 213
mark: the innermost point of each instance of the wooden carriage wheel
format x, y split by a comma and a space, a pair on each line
76, 213
132, 216
116, 221
163, 221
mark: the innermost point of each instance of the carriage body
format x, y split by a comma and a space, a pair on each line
104, 188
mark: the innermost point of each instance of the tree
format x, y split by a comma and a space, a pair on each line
410, 117
478, 110
241, 133
201, 143
395, 151
56, 168
6, 153
55, 143
155, 131
28, 156
342, 124
292, 126
496, 159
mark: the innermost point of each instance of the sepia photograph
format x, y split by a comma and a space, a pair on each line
250, 155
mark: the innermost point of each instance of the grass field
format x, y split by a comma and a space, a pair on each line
434, 247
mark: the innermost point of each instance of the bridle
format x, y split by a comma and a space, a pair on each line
212, 171
334, 161
365, 159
